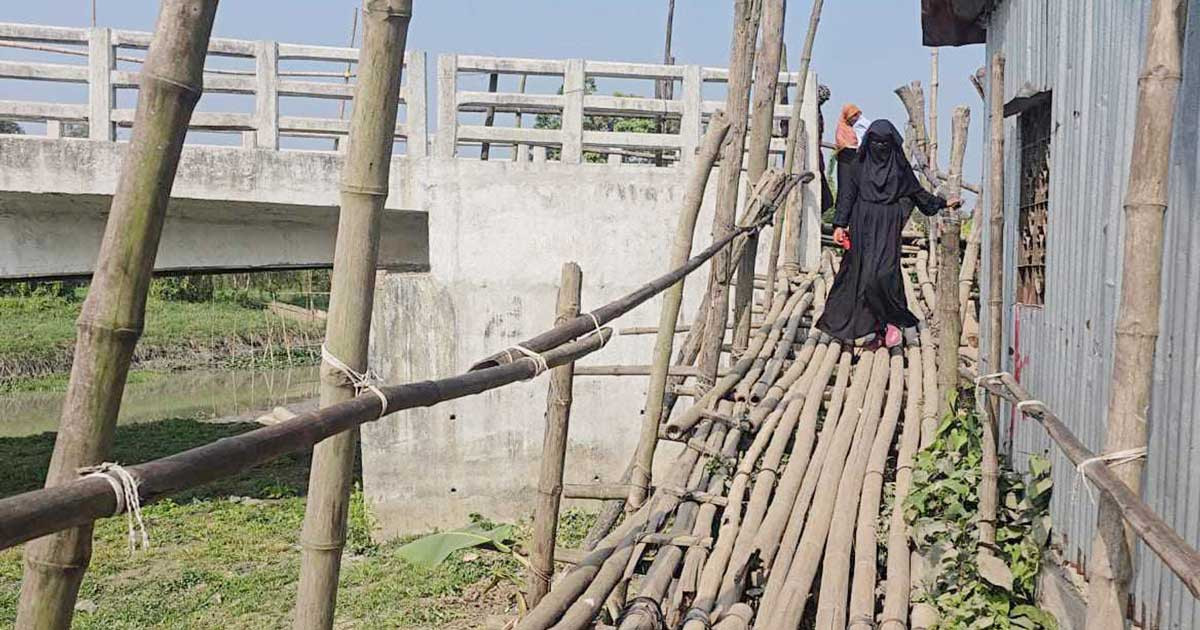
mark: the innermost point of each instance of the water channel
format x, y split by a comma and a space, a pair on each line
208, 395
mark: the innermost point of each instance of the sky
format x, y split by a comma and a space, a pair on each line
864, 48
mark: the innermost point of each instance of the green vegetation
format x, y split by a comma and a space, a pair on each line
226, 555
191, 321
943, 511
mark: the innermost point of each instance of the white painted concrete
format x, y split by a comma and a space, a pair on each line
495, 253
231, 208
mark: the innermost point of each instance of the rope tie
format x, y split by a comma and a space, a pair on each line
539, 574
596, 323
1031, 407
362, 381
125, 488
987, 378
1110, 459
539, 362
697, 614
643, 607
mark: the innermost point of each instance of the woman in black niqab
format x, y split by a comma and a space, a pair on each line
868, 293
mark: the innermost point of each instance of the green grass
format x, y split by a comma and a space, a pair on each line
217, 562
37, 336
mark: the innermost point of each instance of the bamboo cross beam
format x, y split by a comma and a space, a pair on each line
1180, 557
33, 514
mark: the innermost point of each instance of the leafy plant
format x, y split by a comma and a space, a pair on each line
970, 589
433, 549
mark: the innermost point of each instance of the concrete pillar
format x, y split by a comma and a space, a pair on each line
690, 124
572, 117
416, 104
100, 91
53, 129
266, 95
810, 211
446, 142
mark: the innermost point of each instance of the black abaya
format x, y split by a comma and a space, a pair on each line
873, 204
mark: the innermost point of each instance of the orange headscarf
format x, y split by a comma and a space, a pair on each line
846, 138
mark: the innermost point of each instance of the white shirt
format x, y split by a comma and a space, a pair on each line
860, 128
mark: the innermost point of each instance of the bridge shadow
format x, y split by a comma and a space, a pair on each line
26, 459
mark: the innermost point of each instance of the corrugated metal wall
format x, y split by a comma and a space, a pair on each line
1089, 53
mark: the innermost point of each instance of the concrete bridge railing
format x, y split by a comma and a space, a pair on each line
112, 59
109, 51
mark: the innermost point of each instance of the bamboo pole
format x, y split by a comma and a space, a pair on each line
899, 577
769, 509
995, 194
741, 63
27, 516
347, 329
710, 149
835, 570
554, 449
949, 323
933, 110
762, 117
113, 314
1111, 562
1177, 554
862, 593
792, 148
924, 615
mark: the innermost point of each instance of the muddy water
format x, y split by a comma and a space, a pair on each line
217, 395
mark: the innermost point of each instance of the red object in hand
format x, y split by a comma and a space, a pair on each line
841, 237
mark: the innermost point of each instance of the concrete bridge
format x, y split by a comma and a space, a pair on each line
471, 247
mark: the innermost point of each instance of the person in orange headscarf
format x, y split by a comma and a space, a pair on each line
850, 129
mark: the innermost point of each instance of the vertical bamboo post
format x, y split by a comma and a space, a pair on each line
681, 249
364, 191
933, 110
114, 312
995, 199
793, 138
762, 115
1136, 332
741, 64
950, 326
554, 448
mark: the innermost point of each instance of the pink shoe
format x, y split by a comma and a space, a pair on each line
892, 336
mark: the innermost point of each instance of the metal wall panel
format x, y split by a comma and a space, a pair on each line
1089, 52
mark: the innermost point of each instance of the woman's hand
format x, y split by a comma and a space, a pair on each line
840, 235
954, 203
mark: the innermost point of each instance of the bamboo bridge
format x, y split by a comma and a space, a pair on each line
770, 513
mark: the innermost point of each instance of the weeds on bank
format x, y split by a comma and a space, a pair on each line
943, 510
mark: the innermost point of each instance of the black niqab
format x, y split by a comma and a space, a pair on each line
884, 174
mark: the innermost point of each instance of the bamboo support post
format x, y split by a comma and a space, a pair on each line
949, 324
554, 449
1111, 561
643, 460
741, 64
364, 191
933, 110
113, 314
762, 116
995, 200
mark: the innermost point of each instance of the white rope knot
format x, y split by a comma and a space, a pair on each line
596, 323
362, 381
539, 362
1031, 407
125, 488
1111, 459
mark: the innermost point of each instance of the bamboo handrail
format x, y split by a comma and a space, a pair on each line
1180, 557
27, 516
